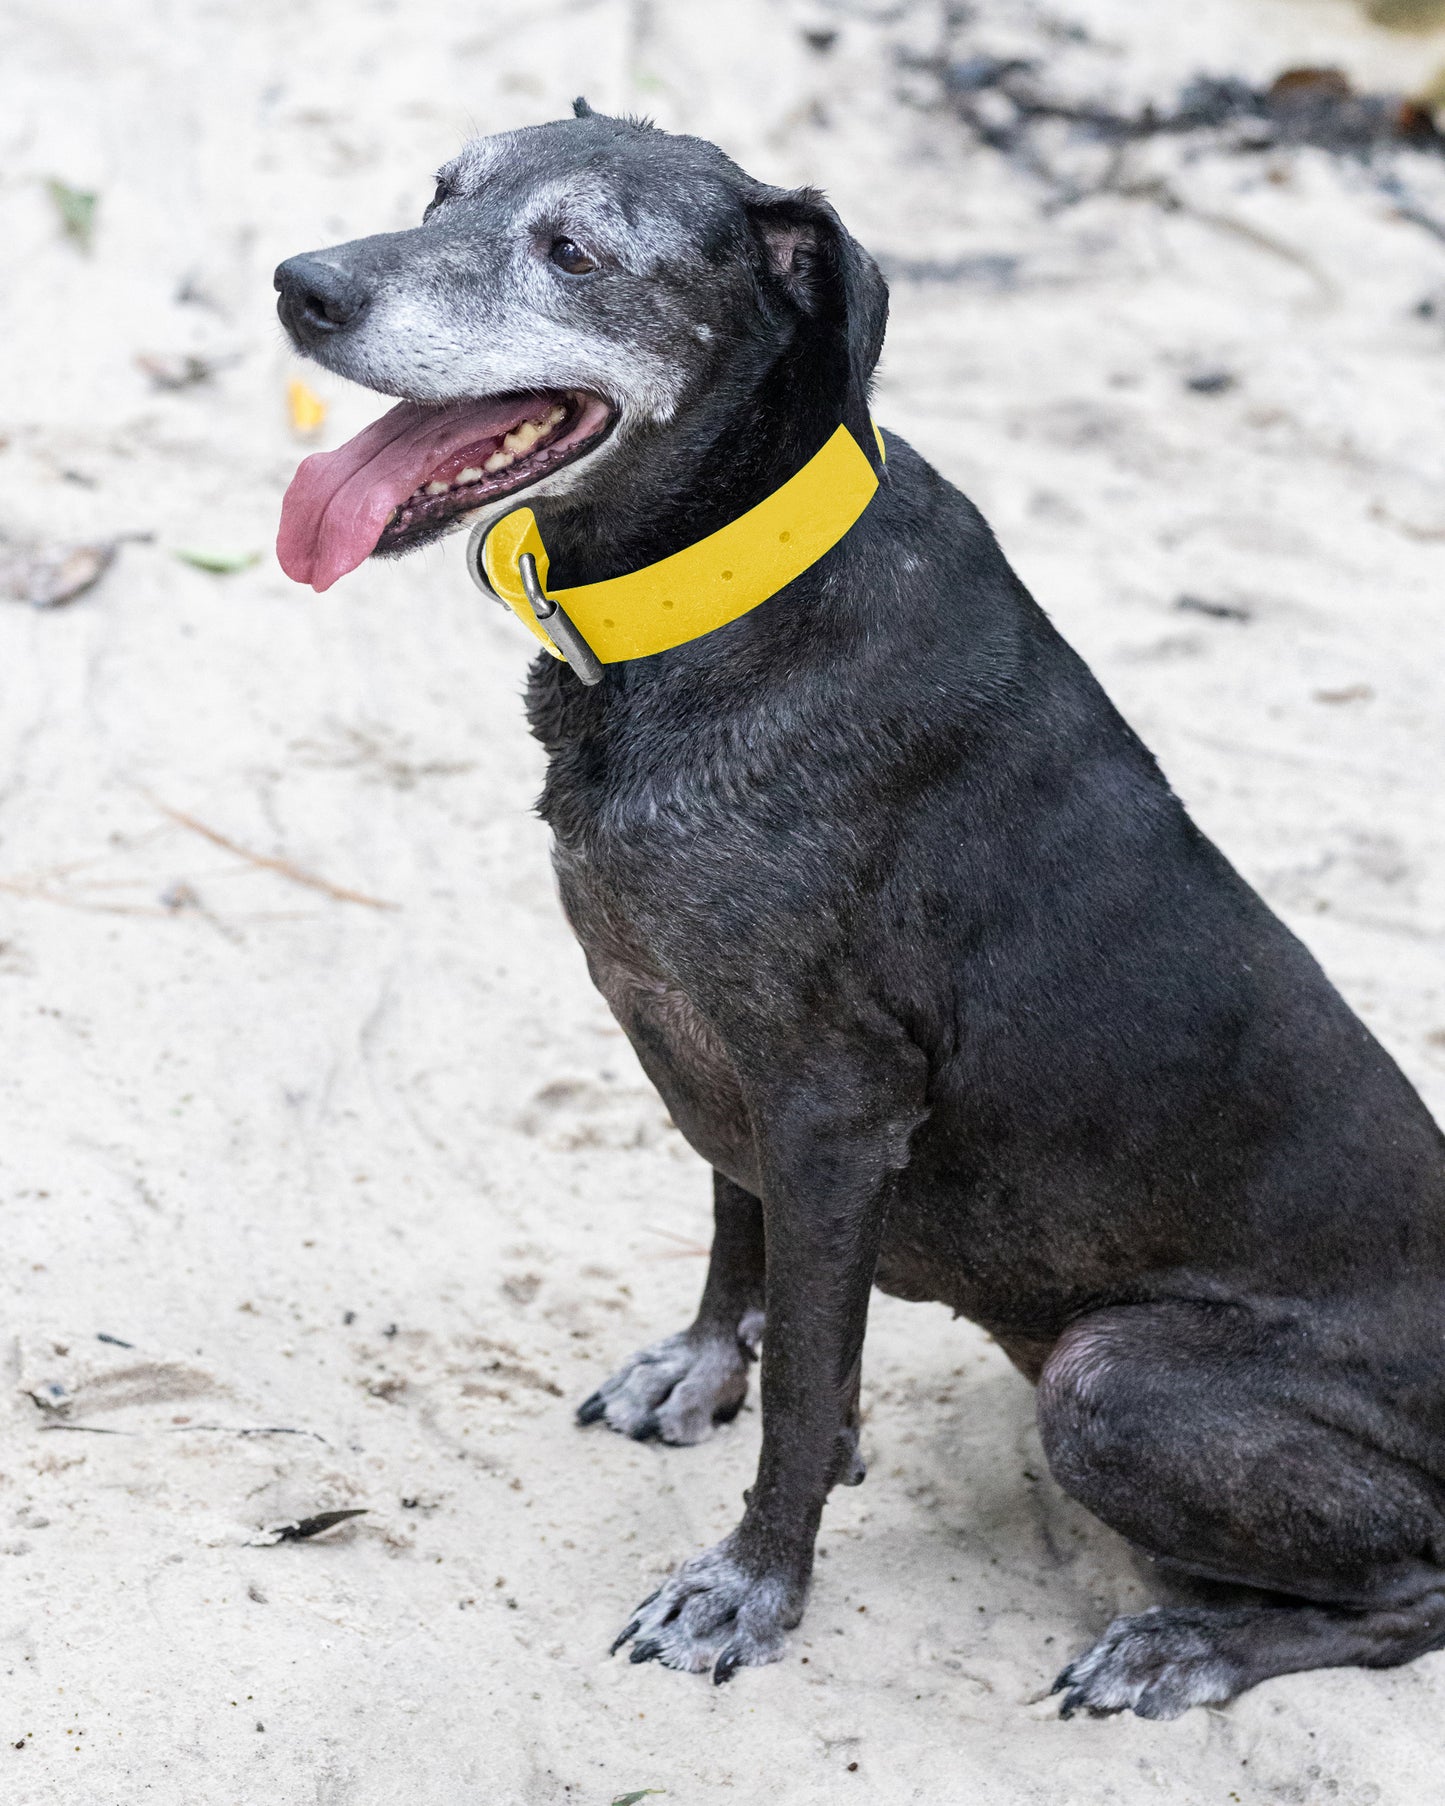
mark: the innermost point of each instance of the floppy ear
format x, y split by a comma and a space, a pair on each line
829, 276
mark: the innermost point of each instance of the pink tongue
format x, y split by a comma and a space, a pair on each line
340, 501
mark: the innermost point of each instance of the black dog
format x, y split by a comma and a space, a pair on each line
903, 921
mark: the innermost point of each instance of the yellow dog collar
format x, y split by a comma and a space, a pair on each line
684, 596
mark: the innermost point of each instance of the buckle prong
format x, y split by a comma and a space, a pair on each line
563, 634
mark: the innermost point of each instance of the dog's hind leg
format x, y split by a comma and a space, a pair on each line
679, 1388
1160, 1662
1220, 1447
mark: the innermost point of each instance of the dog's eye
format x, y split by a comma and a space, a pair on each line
444, 192
570, 257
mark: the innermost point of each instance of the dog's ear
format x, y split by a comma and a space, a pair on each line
827, 273
580, 108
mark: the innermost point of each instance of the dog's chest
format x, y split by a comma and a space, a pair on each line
678, 1048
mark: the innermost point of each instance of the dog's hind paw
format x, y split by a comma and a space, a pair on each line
1158, 1664
714, 1613
676, 1389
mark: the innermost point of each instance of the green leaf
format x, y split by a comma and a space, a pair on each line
76, 207
631, 1799
219, 564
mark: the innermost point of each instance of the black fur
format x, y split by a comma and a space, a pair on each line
935, 971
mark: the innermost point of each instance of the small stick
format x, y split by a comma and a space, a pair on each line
52, 872
266, 861
230, 1429
82, 1429
686, 1247
39, 895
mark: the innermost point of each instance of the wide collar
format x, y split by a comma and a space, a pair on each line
692, 592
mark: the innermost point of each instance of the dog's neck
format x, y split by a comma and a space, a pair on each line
723, 457
672, 485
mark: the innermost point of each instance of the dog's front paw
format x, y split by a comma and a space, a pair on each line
676, 1389
715, 1612
1158, 1664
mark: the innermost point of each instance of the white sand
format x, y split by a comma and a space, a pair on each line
251, 1136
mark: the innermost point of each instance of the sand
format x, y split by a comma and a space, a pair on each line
313, 1205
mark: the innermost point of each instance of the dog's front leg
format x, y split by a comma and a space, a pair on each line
828, 1154
679, 1388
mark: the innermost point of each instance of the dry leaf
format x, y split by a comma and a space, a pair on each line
1407, 15
175, 370
303, 1529
47, 576
308, 410
1323, 84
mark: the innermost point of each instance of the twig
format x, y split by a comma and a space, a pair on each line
187, 1429
1406, 208
1264, 241
37, 893
83, 1429
997, 269
1425, 535
684, 1249
51, 872
229, 1429
266, 861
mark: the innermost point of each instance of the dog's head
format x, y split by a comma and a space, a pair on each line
576, 295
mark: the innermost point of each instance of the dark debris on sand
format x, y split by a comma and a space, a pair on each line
1075, 145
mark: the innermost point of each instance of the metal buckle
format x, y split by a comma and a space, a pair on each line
561, 630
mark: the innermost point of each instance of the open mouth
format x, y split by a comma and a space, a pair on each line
408, 476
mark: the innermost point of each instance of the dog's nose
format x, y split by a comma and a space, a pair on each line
317, 298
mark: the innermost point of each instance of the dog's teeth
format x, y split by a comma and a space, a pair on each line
522, 438
516, 445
